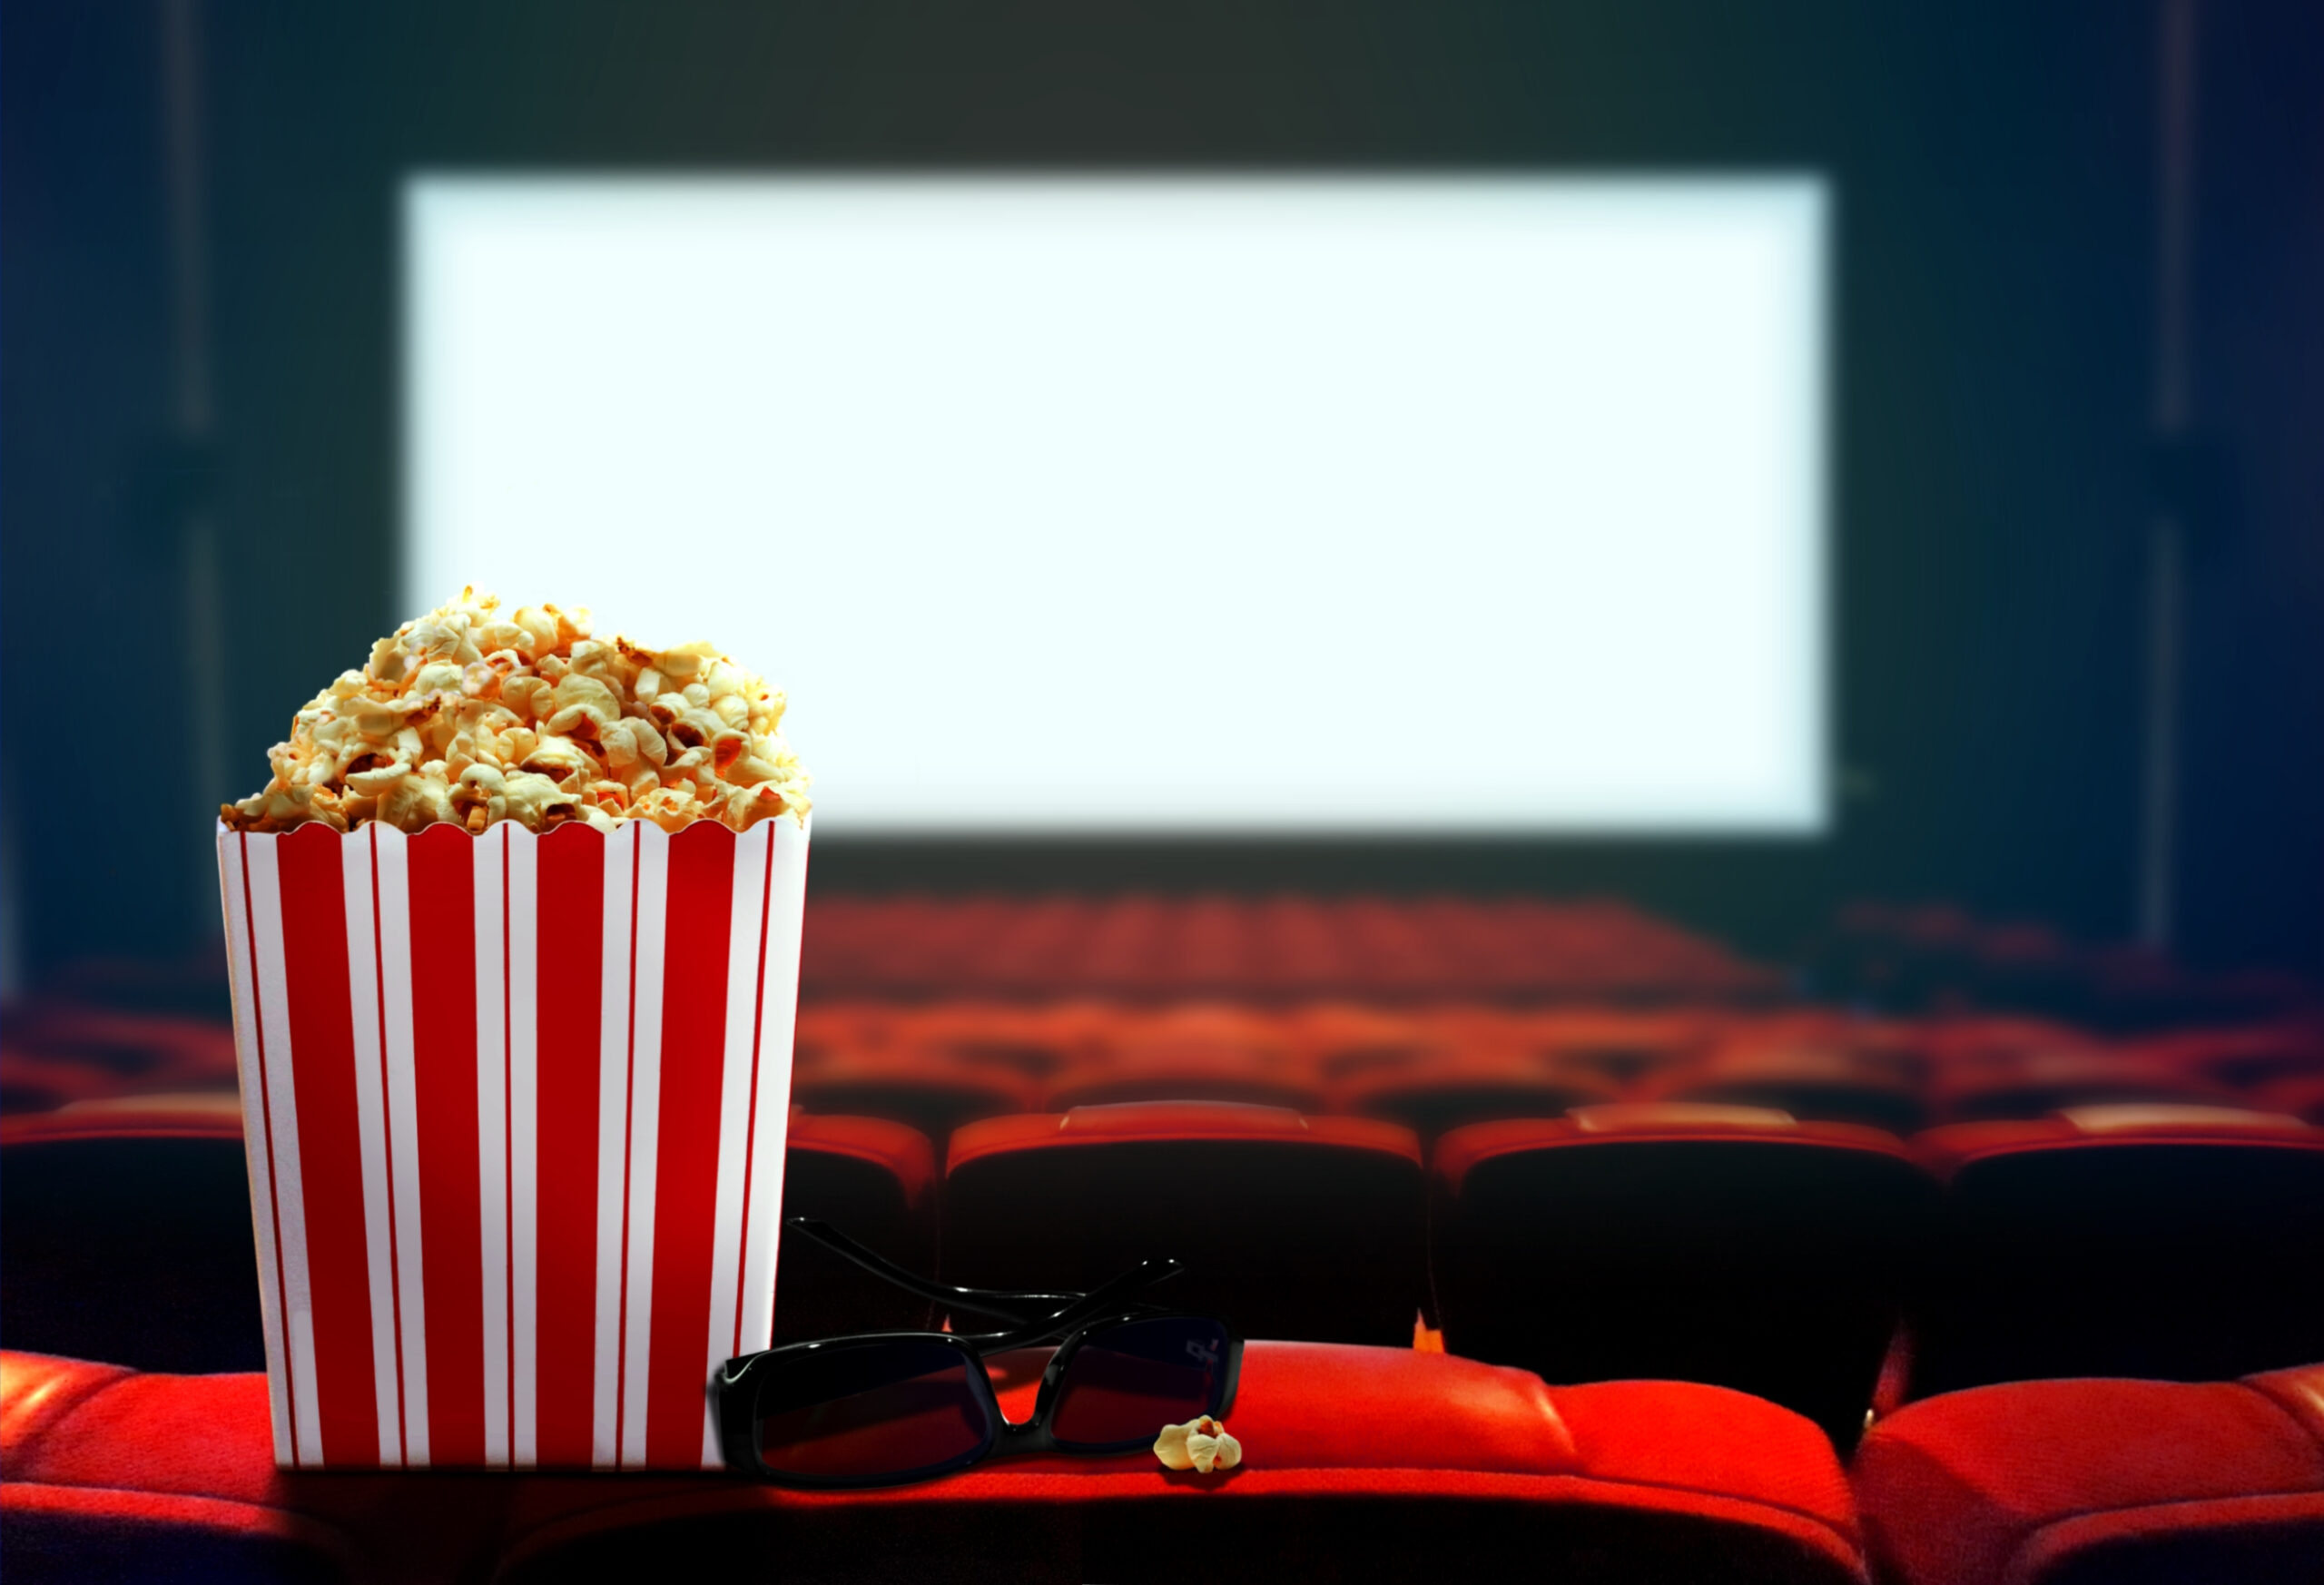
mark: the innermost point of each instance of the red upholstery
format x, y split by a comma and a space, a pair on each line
930, 1090
875, 1181
1185, 1072
2037, 1085
2245, 1059
1450, 1466
1143, 946
111, 1475
1291, 1226
2302, 1098
1434, 1095
1340, 1040
1709, 1244
2167, 1243
2082, 1481
1813, 1081
127, 1234
1619, 1046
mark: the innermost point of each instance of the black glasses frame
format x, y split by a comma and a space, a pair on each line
1039, 1318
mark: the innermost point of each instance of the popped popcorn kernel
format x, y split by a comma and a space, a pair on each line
475, 714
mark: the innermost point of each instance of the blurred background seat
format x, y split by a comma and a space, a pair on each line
2178, 1244
1696, 1243
875, 1181
128, 1235
1290, 1226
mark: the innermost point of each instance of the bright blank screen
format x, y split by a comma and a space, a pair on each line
1166, 506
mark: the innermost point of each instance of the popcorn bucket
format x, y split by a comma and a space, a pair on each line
515, 1108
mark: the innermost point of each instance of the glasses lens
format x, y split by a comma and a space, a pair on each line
1125, 1384
872, 1410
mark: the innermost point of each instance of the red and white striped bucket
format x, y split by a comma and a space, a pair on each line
515, 1108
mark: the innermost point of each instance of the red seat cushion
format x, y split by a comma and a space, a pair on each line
1711, 1243
1358, 1462
1290, 1225
2047, 1482
2165, 1243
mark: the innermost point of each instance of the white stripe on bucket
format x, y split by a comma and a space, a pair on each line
274, 1014
612, 1127
372, 1133
733, 1113
403, 1127
523, 1091
235, 878
492, 1132
653, 849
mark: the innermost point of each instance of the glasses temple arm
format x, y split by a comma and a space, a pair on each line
1098, 1301
1021, 1307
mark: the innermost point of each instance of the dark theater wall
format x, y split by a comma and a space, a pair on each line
1993, 169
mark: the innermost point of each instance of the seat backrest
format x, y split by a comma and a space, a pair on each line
2168, 1242
2035, 1084
929, 1089
1291, 1226
1451, 1090
2102, 1481
127, 1236
875, 1181
1733, 1245
1814, 1082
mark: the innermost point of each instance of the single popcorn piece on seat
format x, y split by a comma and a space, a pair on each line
473, 714
1200, 1444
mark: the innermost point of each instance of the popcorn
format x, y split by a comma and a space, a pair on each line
1201, 1443
473, 714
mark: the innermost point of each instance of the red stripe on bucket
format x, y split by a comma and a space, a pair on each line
571, 863
330, 1151
685, 1193
441, 860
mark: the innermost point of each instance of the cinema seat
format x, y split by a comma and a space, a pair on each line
1033, 1042
876, 1181
1814, 1082
1708, 1244
2101, 1482
1432, 1098
2247, 1058
1195, 1053
1191, 1073
2037, 1085
127, 1234
106, 1474
1292, 1227
2180, 1243
1341, 1039
1620, 1046
1359, 1463
2302, 1098
932, 1091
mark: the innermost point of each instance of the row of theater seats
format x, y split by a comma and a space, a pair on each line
940, 1066
1360, 1464
1266, 948
1937, 955
1733, 1246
